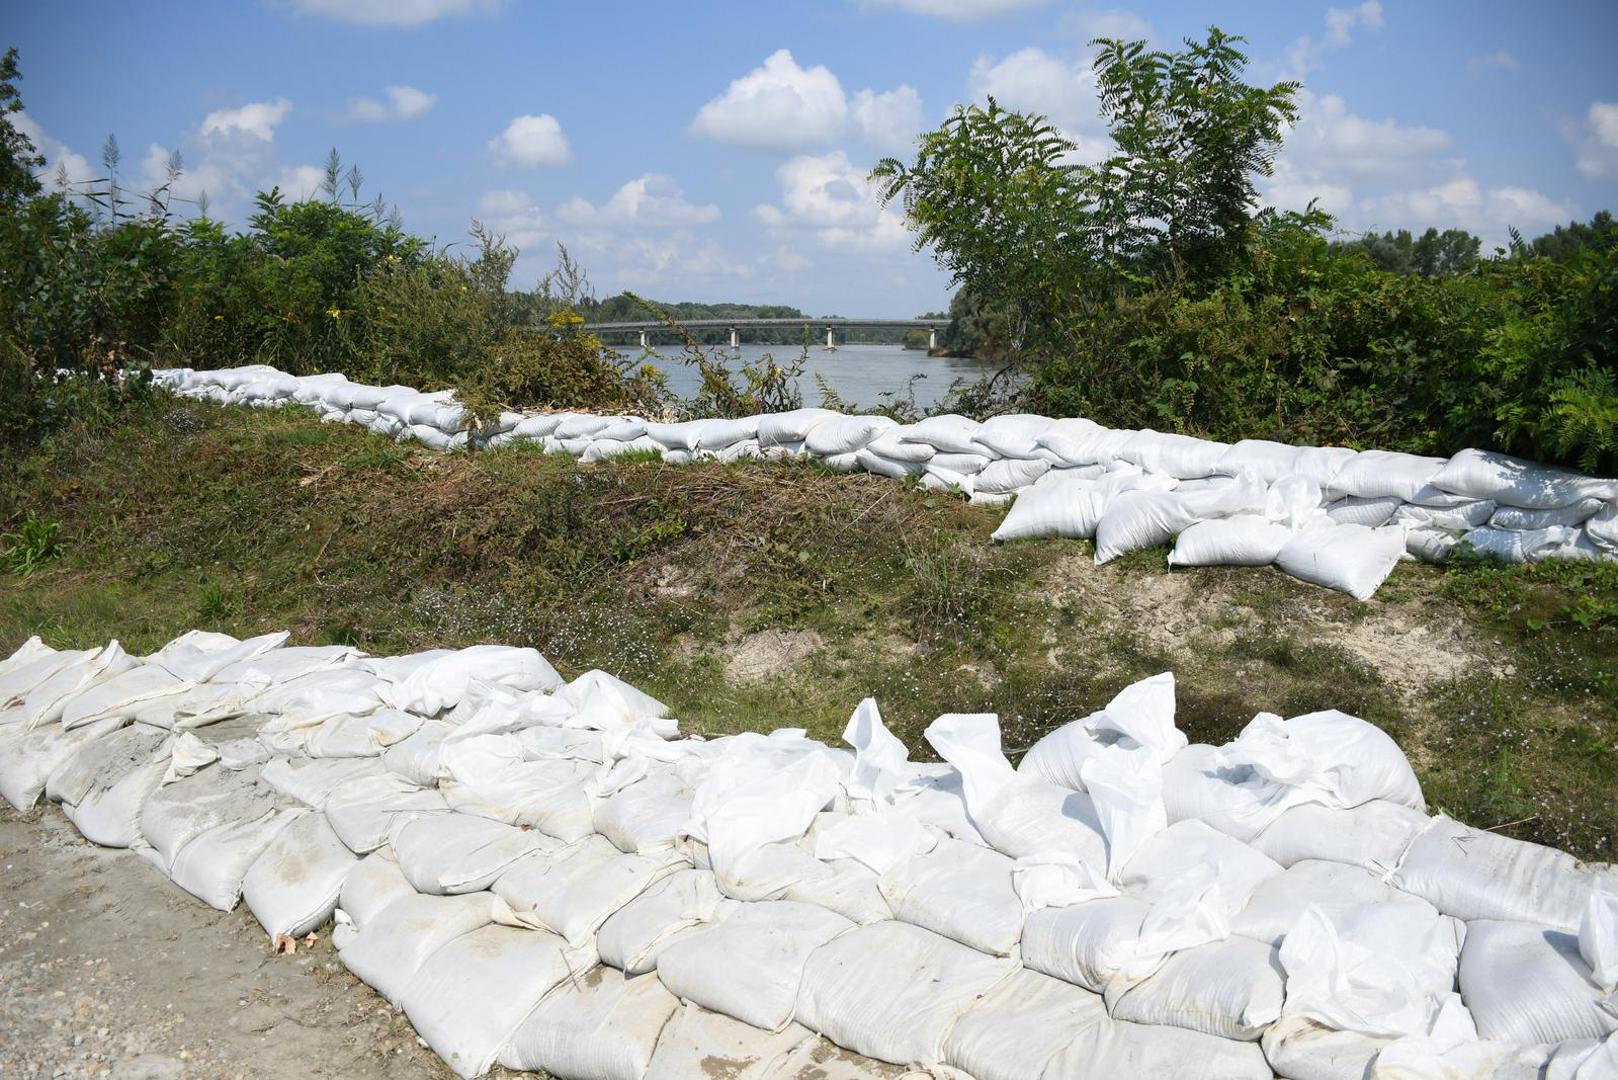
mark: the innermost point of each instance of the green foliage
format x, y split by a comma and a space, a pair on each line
30, 545
19, 157
1452, 251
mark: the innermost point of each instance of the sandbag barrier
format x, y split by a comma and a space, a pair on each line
544, 874
1328, 515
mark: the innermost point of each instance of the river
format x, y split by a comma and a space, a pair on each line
861, 374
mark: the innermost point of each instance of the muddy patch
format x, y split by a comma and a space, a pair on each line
768, 653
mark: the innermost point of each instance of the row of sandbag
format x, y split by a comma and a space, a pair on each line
1334, 516
491, 833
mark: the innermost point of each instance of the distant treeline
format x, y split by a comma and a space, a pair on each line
627, 308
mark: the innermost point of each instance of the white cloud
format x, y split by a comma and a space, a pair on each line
1328, 140
1466, 204
1604, 122
652, 200
959, 10
391, 12
777, 106
404, 103
59, 157
888, 121
1033, 80
1090, 24
258, 119
1499, 60
533, 141
513, 213
299, 182
834, 200
1305, 54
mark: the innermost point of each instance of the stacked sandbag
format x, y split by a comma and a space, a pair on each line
1327, 515
540, 873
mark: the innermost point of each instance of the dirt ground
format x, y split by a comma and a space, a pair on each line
109, 970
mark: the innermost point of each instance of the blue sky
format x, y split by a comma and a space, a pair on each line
718, 151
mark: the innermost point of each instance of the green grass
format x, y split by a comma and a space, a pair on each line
246, 521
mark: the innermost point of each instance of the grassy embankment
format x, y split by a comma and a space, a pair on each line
757, 596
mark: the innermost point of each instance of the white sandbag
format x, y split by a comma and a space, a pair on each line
1242, 540
1602, 530
582, 425
1375, 474
1231, 988
696, 1039
1140, 519
45, 702
873, 462
1357, 510
607, 449
749, 966
470, 996
934, 478
1380, 968
350, 736
845, 434
443, 683
128, 767
632, 936
1598, 937
1009, 475
961, 891
121, 694
1269, 461
103, 762
947, 434
1098, 944
312, 781
1513, 481
1468, 515
1141, 715
1157, 871
1430, 545
442, 854
292, 887
893, 991
1528, 984
1125, 784
878, 841
211, 866
1523, 545
175, 814
893, 446
1059, 505
574, 891
966, 463
1019, 1025
27, 758
1338, 759
1081, 442
386, 949
1373, 835
648, 815
417, 757
487, 775
990, 498
1128, 1051
366, 811
30, 667
277, 666
1512, 517
848, 887
1180, 456
623, 429
1349, 558
716, 434
782, 429
370, 888
602, 1026
1298, 1048
1011, 436
1473, 874
1274, 906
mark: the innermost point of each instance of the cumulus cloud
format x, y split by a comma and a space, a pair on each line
652, 200
513, 213
300, 181
403, 103
832, 199
1306, 53
776, 106
60, 159
1064, 90
1329, 140
959, 10
1595, 139
1466, 204
532, 141
888, 121
1089, 24
1484, 63
391, 12
258, 119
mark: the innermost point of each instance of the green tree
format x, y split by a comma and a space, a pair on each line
18, 155
1452, 251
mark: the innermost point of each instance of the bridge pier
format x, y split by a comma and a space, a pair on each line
735, 338
831, 343
643, 344
932, 338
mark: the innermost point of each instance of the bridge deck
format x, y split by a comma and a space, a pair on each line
743, 324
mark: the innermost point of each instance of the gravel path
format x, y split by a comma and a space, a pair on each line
109, 970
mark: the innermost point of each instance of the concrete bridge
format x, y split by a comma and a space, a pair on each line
735, 326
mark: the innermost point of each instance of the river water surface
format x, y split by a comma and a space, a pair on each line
861, 374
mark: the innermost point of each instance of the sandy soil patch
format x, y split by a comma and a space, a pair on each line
768, 653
